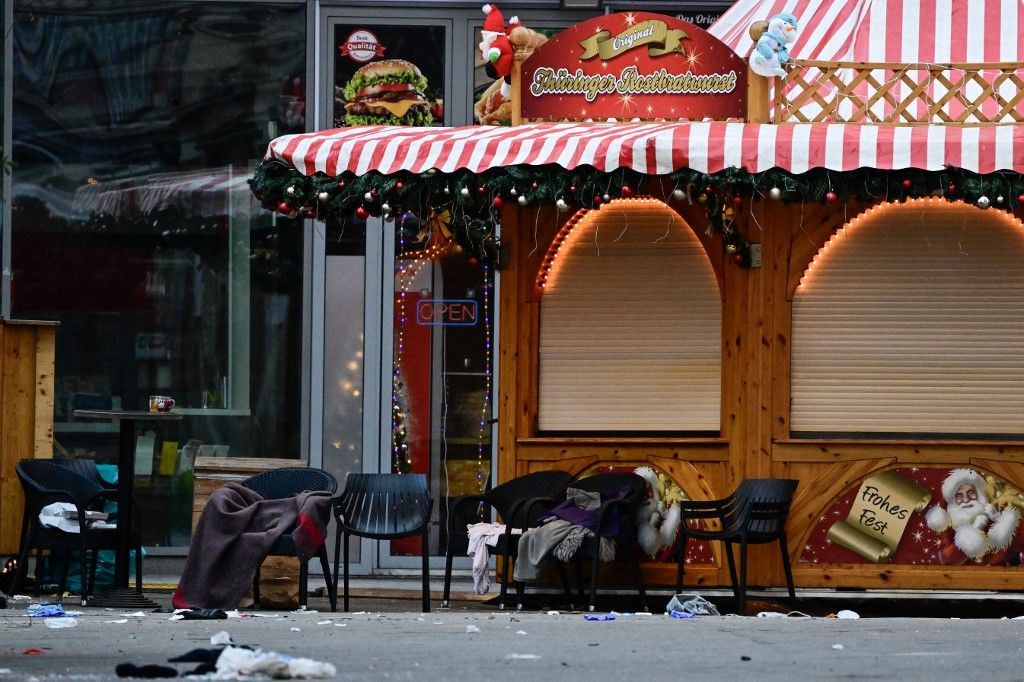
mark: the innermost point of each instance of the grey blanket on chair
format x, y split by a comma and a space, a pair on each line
560, 538
235, 531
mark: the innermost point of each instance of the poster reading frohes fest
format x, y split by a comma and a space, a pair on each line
389, 75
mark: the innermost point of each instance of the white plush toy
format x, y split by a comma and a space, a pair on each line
658, 518
770, 52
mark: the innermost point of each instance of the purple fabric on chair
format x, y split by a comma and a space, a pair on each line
235, 531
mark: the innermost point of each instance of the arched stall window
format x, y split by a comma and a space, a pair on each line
909, 321
630, 324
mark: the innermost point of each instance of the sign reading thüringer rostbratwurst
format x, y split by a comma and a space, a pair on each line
634, 65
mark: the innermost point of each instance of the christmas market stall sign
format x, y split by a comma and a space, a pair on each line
634, 65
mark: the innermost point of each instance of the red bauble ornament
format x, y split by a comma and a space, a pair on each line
737, 200
627, 191
737, 258
399, 185
831, 197
341, 184
472, 260
951, 189
1020, 200
311, 215
481, 190
907, 184
709, 189
373, 192
283, 207
497, 202
535, 185
572, 188
597, 200
362, 213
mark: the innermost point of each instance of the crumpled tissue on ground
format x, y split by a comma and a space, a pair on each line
236, 662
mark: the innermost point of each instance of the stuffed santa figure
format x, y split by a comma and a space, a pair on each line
970, 528
496, 48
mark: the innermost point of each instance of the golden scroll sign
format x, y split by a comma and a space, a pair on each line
879, 516
659, 38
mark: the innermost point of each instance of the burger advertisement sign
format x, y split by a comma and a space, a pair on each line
387, 75
634, 65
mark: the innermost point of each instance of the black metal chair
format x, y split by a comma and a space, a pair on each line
508, 500
755, 513
625, 492
279, 484
45, 482
383, 507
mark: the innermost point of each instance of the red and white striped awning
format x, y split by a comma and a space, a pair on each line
901, 31
919, 33
654, 148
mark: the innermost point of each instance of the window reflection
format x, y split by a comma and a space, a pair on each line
135, 126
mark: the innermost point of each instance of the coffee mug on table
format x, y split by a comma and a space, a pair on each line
160, 403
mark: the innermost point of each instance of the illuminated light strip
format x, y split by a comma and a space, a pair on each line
881, 209
548, 263
556, 244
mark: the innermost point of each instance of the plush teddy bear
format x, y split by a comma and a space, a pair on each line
658, 518
770, 52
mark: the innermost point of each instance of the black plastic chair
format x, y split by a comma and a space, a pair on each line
755, 513
87, 468
45, 482
508, 500
626, 492
383, 507
279, 484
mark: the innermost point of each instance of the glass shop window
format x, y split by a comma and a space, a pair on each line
135, 127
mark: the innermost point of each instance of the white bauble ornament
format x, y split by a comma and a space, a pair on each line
368, 197
513, 191
561, 205
464, 192
678, 194
983, 202
323, 196
775, 193
523, 201
290, 191
605, 198
386, 207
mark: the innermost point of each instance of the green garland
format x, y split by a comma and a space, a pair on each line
474, 199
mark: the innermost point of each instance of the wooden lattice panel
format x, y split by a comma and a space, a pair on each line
965, 94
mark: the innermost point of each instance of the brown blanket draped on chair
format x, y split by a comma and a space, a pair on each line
235, 531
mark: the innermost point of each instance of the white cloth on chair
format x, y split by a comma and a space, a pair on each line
482, 536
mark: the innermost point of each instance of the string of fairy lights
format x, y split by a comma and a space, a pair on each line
409, 265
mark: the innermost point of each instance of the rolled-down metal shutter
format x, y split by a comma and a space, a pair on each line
911, 320
630, 326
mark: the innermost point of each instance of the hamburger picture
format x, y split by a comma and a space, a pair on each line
387, 92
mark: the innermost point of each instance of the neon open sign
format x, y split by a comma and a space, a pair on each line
446, 313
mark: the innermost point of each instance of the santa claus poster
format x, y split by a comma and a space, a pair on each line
918, 515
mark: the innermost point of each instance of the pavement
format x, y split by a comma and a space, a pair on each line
385, 636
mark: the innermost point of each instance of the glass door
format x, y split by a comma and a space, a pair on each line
438, 384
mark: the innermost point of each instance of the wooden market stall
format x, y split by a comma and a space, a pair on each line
821, 281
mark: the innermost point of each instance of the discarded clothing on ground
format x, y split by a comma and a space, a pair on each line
482, 536
563, 530
235, 531
242, 662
